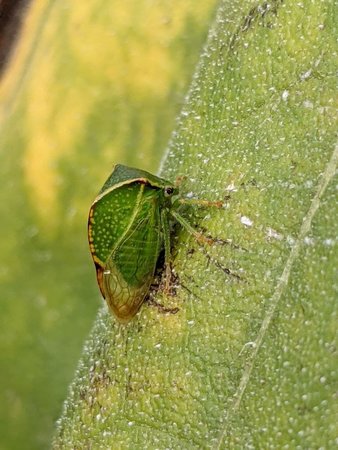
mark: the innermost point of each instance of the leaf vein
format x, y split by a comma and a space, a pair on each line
281, 285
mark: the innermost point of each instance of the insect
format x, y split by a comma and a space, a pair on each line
128, 226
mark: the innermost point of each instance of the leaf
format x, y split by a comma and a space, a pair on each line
90, 84
249, 361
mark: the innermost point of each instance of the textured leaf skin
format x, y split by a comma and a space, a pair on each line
250, 363
126, 237
90, 84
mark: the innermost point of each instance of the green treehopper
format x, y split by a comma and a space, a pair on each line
128, 226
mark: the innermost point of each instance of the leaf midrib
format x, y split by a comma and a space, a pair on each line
273, 302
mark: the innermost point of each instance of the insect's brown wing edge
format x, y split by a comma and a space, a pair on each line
99, 276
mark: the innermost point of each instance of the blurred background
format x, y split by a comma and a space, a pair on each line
83, 85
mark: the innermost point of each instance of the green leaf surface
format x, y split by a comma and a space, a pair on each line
250, 359
90, 84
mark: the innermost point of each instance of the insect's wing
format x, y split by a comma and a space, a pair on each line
125, 240
123, 300
130, 268
109, 218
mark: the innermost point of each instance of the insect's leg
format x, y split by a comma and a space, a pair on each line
161, 308
179, 180
197, 235
167, 254
201, 203
204, 240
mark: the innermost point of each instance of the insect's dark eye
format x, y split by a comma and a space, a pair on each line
169, 190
